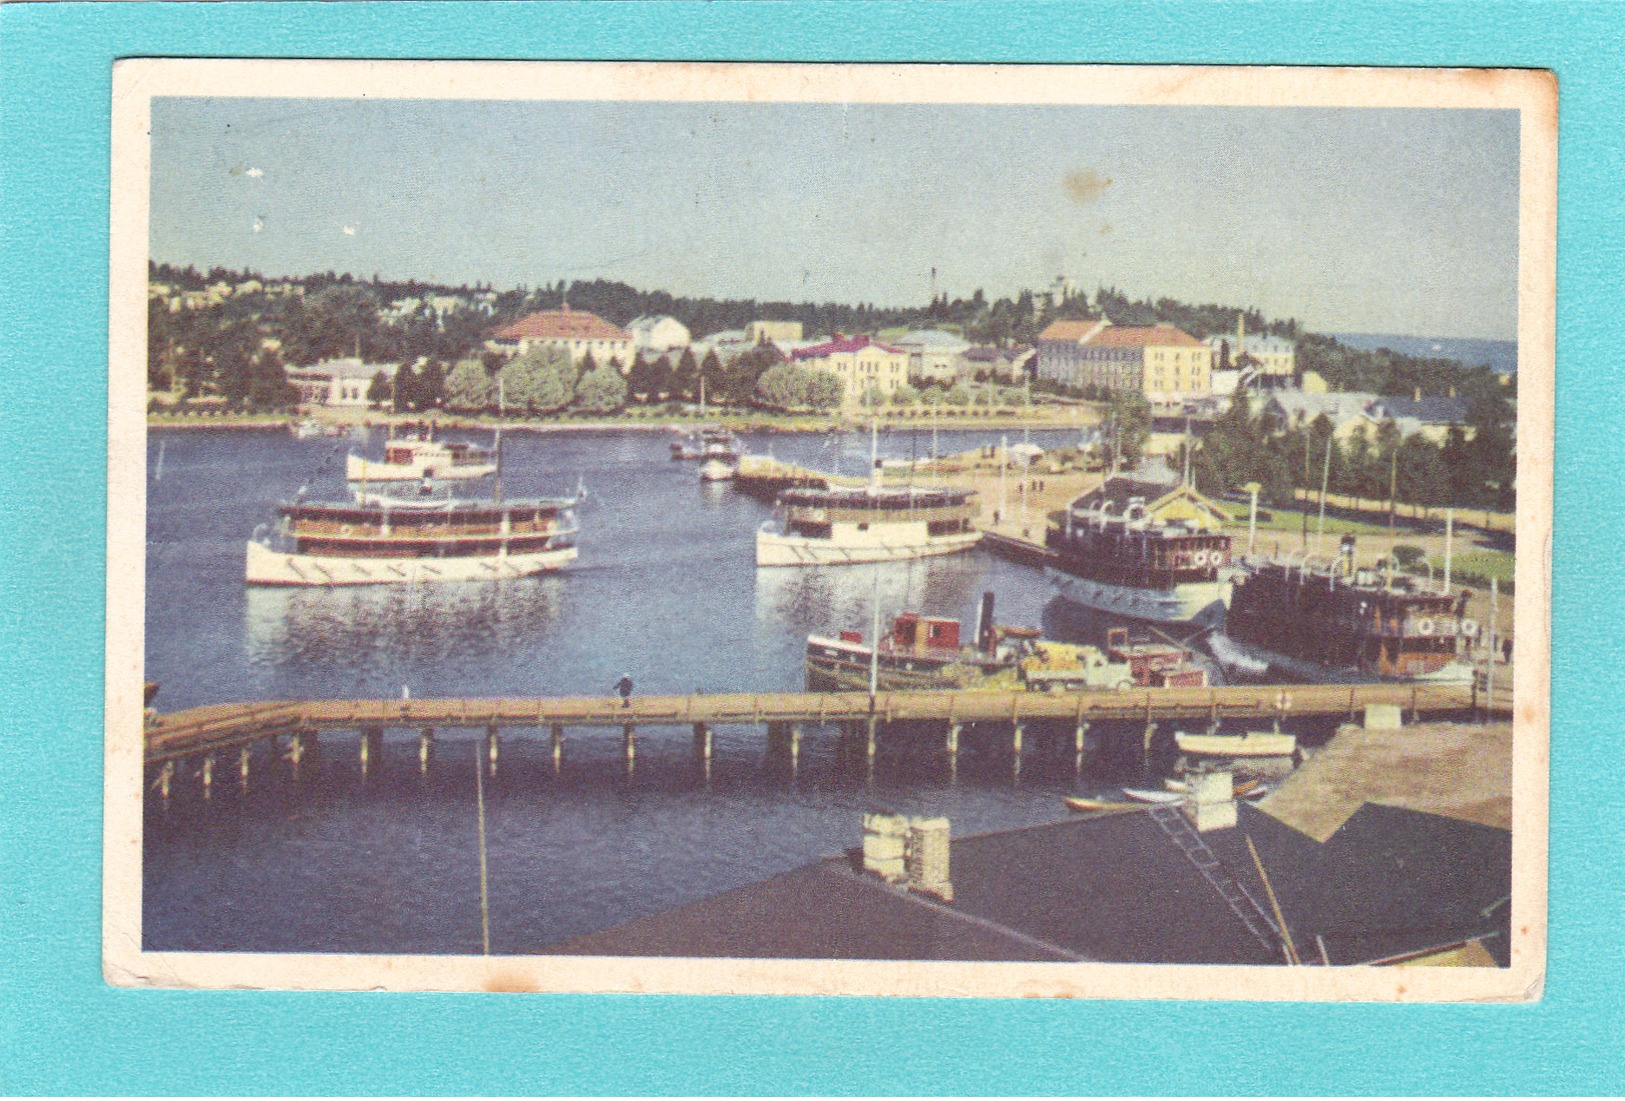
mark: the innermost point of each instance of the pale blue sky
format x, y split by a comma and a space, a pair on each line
1400, 221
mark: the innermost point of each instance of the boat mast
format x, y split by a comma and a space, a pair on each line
874, 453
874, 639
496, 481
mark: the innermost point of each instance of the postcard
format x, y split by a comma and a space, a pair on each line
974, 530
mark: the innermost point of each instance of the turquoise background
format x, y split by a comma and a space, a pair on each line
63, 1031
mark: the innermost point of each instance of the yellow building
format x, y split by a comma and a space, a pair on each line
759, 331
1161, 362
862, 365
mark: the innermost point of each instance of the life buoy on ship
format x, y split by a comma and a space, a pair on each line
1218, 558
346, 529
1469, 628
1199, 558
1424, 626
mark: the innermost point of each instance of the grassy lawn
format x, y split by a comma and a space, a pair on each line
1477, 567
1285, 520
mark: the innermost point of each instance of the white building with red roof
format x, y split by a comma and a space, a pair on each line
576, 331
862, 363
1161, 362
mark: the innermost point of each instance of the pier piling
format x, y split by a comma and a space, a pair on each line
425, 749
242, 766
372, 746
208, 776
954, 730
629, 745
1080, 746
558, 747
1145, 748
493, 747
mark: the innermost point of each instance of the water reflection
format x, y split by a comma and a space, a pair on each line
826, 599
428, 622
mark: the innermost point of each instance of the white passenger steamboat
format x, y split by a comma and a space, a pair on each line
383, 538
865, 524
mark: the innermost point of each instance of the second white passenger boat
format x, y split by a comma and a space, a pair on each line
865, 524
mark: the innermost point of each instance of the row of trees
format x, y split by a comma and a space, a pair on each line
1474, 468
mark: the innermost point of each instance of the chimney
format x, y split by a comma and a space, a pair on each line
1417, 394
1452, 391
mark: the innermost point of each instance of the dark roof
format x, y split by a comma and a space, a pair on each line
824, 911
1433, 409
1117, 888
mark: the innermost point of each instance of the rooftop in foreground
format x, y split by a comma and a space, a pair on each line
1386, 882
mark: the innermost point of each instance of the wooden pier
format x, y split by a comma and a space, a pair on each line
208, 730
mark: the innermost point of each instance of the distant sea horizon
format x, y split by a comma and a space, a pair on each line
1498, 355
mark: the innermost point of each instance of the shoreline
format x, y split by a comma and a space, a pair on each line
735, 423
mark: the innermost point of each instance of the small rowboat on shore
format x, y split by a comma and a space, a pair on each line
1145, 795
1242, 791
1094, 806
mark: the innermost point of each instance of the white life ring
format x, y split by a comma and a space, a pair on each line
346, 529
1424, 626
1469, 628
1199, 558
1218, 558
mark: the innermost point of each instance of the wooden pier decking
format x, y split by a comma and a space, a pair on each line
205, 730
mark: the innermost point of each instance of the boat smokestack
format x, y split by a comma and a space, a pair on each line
1346, 549
986, 635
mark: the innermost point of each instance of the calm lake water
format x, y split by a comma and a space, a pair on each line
665, 589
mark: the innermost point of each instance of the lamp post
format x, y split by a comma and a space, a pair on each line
1252, 489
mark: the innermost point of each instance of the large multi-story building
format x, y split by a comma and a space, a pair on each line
1271, 359
576, 331
1159, 361
861, 363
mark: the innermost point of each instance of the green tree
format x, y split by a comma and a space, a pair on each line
601, 391
432, 385
825, 390
380, 391
740, 376
539, 381
1127, 425
711, 373
783, 387
685, 378
640, 379
905, 395
470, 387
957, 396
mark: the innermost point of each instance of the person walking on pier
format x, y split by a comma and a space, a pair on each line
624, 687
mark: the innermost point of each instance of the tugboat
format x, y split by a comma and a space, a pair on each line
924, 652
1335, 622
1143, 550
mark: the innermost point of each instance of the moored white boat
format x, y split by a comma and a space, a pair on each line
839, 525
718, 470
414, 460
1254, 743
